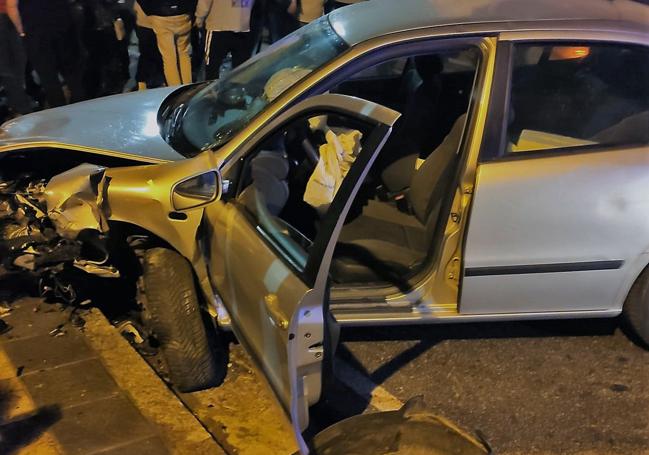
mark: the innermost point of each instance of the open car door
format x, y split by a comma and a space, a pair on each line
272, 277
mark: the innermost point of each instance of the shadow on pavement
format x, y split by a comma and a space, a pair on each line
26, 428
430, 335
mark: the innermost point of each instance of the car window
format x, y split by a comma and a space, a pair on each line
430, 90
578, 95
288, 183
385, 70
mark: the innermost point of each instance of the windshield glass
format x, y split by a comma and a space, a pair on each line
224, 107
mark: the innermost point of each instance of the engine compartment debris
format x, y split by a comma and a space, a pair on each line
54, 231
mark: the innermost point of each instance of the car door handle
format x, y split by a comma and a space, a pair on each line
276, 315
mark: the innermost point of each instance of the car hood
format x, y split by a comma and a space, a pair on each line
126, 124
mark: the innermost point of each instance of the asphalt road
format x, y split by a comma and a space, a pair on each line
568, 387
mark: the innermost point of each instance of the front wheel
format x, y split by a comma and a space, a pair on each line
636, 308
172, 312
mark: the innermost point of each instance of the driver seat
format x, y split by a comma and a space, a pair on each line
268, 193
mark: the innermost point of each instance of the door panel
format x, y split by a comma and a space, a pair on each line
558, 233
259, 287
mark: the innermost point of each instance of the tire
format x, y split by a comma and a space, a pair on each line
636, 308
173, 313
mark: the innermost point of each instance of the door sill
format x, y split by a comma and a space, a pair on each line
391, 315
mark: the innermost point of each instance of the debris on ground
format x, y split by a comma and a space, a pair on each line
39, 240
58, 331
5, 309
4, 327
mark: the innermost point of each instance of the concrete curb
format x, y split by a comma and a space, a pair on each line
182, 432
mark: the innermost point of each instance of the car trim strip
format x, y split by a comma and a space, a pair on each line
544, 268
17, 146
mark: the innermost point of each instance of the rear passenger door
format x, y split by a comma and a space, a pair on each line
560, 217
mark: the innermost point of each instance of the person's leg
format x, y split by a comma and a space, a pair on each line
115, 71
216, 48
281, 24
242, 44
43, 58
184, 47
142, 60
92, 77
149, 64
128, 18
12, 67
198, 44
166, 39
69, 57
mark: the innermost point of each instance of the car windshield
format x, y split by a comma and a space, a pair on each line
224, 107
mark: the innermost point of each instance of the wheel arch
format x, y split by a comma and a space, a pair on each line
121, 230
636, 267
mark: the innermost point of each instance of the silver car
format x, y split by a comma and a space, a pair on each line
396, 162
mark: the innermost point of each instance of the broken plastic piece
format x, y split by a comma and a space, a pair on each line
73, 201
4, 327
104, 271
57, 331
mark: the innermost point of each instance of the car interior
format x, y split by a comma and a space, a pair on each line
388, 232
575, 95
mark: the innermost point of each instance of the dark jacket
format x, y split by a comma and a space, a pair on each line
44, 15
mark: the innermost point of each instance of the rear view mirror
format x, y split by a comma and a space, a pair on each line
197, 191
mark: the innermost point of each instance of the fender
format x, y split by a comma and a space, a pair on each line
88, 196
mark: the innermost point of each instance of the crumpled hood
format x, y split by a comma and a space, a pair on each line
121, 123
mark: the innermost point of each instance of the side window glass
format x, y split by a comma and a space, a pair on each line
288, 183
386, 70
577, 96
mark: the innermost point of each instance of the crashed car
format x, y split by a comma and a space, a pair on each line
411, 162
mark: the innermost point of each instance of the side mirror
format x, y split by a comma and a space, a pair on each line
196, 191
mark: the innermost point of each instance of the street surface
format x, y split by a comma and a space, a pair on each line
545, 387
559, 387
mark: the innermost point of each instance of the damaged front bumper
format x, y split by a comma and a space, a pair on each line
49, 228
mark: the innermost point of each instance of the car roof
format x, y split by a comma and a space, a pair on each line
374, 18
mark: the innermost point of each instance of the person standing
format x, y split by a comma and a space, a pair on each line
104, 39
149, 63
52, 46
279, 16
227, 25
172, 24
12, 65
